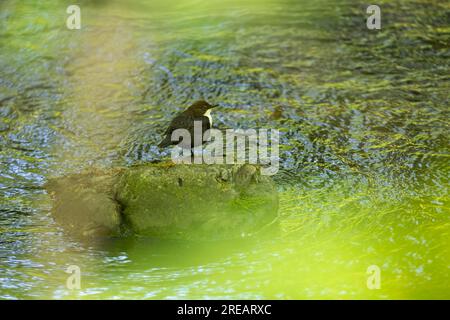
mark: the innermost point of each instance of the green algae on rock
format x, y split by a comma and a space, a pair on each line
196, 201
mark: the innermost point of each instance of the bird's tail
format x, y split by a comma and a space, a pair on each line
165, 143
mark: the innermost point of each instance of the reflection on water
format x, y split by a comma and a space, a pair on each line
364, 142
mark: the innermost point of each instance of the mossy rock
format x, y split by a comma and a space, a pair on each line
196, 201
166, 201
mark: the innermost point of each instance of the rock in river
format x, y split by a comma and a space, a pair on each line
166, 201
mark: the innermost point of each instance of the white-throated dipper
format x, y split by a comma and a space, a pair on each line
198, 111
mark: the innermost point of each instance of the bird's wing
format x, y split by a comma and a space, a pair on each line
183, 121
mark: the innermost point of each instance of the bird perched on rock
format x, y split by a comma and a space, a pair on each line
199, 111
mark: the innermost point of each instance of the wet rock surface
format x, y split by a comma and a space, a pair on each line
84, 203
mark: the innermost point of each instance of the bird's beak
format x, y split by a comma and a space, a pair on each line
214, 106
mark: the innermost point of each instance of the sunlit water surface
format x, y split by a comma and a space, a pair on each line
364, 142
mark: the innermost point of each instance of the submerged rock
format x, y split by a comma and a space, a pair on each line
166, 201
84, 203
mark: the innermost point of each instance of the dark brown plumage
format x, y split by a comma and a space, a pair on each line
199, 111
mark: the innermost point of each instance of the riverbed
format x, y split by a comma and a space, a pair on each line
363, 179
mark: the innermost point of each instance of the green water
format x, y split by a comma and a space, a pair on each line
364, 142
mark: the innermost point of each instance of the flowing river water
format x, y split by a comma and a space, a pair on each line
364, 144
